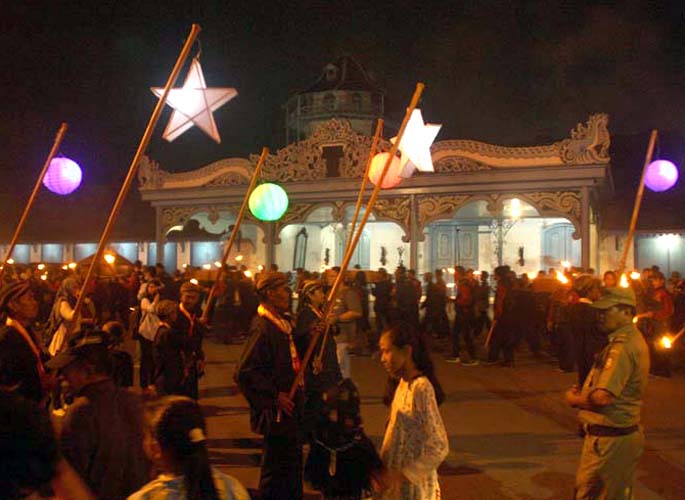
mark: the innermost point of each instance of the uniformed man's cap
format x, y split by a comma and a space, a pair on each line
310, 286
267, 281
615, 296
12, 291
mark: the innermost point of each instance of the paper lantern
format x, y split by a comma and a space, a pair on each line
661, 175
268, 202
392, 177
63, 176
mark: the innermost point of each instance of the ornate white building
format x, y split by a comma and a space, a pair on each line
529, 207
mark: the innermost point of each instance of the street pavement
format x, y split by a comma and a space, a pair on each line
511, 434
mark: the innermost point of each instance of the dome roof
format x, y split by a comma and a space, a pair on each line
345, 73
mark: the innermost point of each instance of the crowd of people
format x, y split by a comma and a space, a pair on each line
66, 382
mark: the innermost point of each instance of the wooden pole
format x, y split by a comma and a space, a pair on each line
22, 220
145, 139
348, 256
236, 227
638, 202
357, 208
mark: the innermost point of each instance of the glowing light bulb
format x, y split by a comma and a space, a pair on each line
238, 258
247, 273
72, 265
565, 264
666, 342
194, 281
217, 264
635, 275
65, 267
260, 267
41, 267
532, 275
43, 277
206, 266
10, 261
515, 208
109, 258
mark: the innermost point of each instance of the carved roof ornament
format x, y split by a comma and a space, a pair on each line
588, 144
230, 171
304, 161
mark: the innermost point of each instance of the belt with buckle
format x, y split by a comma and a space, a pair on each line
607, 431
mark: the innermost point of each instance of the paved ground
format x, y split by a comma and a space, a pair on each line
511, 435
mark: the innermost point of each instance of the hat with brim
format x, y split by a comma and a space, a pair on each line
271, 280
12, 291
310, 286
78, 348
615, 296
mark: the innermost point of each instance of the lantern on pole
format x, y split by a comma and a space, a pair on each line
392, 177
63, 176
661, 175
268, 202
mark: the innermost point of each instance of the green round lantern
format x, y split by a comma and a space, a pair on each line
268, 202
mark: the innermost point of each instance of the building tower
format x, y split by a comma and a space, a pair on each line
344, 90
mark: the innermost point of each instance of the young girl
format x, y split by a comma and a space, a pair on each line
176, 443
415, 441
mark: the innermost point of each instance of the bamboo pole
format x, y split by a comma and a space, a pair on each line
357, 208
236, 227
145, 139
348, 256
22, 220
638, 202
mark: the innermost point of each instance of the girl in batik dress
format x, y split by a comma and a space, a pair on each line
415, 441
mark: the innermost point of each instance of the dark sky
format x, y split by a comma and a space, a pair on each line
502, 72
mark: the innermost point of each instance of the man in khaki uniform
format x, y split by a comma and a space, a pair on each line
610, 403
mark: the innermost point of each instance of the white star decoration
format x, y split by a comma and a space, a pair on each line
194, 103
416, 145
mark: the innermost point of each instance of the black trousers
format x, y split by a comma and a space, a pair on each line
281, 472
502, 342
147, 363
463, 327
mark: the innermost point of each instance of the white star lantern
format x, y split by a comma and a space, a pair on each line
416, 145
194, 103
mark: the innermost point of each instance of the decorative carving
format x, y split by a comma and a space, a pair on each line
179, 216
228, 179
303, 161
588, 143
296, 213
436, 207
150, 176
566, 203
453, 164
396, 210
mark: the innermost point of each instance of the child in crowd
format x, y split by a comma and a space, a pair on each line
342, 461
176, 443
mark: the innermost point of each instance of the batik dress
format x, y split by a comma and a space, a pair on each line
415, 441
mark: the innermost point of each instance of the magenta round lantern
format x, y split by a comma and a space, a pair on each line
63, 176
661, 175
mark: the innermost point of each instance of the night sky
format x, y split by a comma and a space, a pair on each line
512, 73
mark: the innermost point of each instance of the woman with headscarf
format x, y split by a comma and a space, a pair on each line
63, 323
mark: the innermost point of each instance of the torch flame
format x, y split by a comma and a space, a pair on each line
666, 342
562, 278
634, 275
109, 258
623, 282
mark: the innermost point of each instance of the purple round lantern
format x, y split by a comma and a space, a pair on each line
661, 175
63, 176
